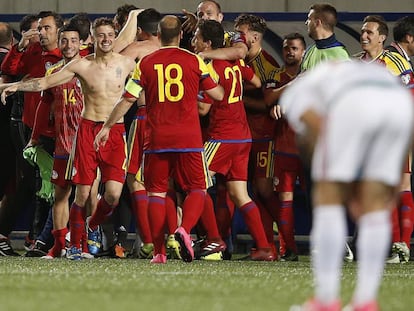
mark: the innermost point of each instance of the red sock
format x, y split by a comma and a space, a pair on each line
208, 219
102, 213
76, 224
406, 212
267, 221
224, 212
171, 209
286, 224
252, 219
396, 233
193, 206
157, 221
139, 201
59, 236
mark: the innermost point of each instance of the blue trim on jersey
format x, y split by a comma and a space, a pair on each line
139, 118
328, 43
62, 157
231, 141
175, 150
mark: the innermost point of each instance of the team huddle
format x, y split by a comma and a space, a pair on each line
213, 110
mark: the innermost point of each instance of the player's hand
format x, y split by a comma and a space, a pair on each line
276, 112
190, 23
7, 91
26, 37
101, 138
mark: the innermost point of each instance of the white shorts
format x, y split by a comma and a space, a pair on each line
365, 140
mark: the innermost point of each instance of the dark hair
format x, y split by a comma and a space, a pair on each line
212, 31
148, 20
70, 27
295, 36
6, 34
82, 22
404, 26
57, 17
382, 24
255, 23
326, 13
122, 13
26, 22
103, 21
169, 28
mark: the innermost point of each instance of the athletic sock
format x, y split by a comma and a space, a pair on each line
76, 224
406, 212
208, 219
193, 206
395, 225
267, 222
139, 201
328, 237
157, 221
286, 224
251, 216
224, 212
59, 236
102, 213
372, 245
171, 210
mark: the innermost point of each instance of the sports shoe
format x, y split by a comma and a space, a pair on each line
173, 248
6, 249
315, 305
146, 251
211, 247
289, 256
393, 258
94, 239
40, 249
119, 251
349, 255
85, 255
262, 254
369, 306
28, 243
186, 250
213, 257
47, 257
403, 251
74, 253
159, 258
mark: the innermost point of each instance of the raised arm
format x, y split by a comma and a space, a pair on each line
236, 51
128, 32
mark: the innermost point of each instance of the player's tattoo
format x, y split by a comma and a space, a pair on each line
31, 86
118, 72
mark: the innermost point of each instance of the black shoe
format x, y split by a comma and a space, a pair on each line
289, 256
39, 250
6, 249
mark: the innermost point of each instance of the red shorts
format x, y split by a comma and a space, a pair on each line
288, 169
228, 159
261, 159
188, 169
60, 175
111, 158
136, 141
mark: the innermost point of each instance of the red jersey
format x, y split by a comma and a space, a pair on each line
261, 124
228, 117
63, 105
171, 77
285, 137
33, 62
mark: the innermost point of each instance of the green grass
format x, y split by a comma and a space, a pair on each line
110, 284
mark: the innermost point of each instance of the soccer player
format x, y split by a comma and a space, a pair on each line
362, 166
374, 32
229, 139
287, 164
100, 95
171, 78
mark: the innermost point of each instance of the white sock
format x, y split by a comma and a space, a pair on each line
328, 239
374, 238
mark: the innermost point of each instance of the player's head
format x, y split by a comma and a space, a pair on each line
294, 47
403, 32
374, 32
321, 16
169, 30
69, 41
83, 23
252, 26
6, 35
49, 24
209, 35
209, 9
121, 15
104, 34
147, 21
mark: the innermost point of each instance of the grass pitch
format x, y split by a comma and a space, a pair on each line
132, 284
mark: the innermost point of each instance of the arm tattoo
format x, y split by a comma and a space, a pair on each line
31, 86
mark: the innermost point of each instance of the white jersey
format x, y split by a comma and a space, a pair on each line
367, 120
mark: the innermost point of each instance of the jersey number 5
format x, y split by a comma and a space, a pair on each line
167, 78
